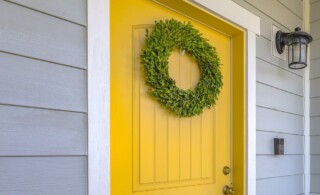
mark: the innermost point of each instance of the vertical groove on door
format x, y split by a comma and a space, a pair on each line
185, 129
147, 147
161, 144
174, 127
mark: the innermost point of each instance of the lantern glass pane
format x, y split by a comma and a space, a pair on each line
296, 52
303, 53
290, 54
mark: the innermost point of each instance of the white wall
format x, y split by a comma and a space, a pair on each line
280, 102
315, 97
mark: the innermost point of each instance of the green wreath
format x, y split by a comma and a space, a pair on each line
166, 36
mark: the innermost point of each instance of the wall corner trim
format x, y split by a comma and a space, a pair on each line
98, 41
307, 169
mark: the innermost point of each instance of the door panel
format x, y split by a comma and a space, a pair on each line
152, 150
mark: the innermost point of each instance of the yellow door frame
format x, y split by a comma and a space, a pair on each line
99, 85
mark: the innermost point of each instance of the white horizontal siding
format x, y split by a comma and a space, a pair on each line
281, 121
315, 107
315, 30
270, 166
279, 100
277, 11
72, 10
291, 185
314, 69
34, 83
315, 144
293, 143
294, 6
264, 53
29, 131
315, 183
313, 1
279, 78
37, 35
314, 11
315, 125
315, 162
43, 102
314, 83
43, 175
314, 52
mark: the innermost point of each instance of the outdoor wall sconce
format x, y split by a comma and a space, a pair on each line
297, 43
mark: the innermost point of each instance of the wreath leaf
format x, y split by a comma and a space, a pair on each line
166, 36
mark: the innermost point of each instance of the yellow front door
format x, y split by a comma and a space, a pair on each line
152, 150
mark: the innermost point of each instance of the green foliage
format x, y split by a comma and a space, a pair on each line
166, 36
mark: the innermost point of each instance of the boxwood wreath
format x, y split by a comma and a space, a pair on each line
159, 44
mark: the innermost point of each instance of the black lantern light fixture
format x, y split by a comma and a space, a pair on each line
297, 43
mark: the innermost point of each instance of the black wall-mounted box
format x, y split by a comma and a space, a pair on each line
278, 146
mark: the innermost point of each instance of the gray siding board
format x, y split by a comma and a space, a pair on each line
264, 53
315, 125
315, 45
72, 10
293, 143
314, 11
314, 69
315, 107
279, 100
315, 145
276, 11
43, 175
290, 185
35, 83
43, 102
266, 14
282, 122
29, 131
294, 6
270, 166
313, 1
37, 35
265, 21
314, 84
315, 30
279, 78
315, 181
315, 162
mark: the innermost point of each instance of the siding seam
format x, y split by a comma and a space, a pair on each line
284, 133
280, 89
42, 60
278, 66
45, 13
282, 176
259, 106
43, 108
